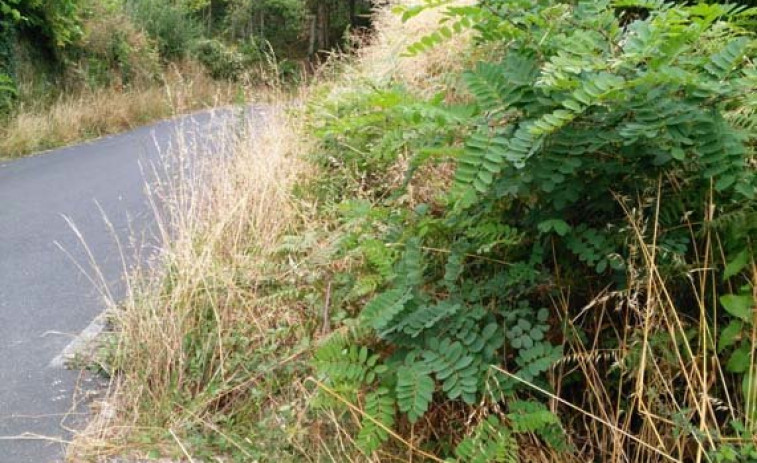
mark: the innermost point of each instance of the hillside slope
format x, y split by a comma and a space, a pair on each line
467, 245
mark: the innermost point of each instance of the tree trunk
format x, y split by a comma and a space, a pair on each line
322, 20
210, 17
313, 28
353, 16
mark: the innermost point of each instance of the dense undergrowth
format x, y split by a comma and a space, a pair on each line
529, 238
581, 285
76, 69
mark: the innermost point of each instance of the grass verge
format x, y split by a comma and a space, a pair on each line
94, 113
199, 347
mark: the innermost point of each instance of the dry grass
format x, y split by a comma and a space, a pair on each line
191, 325
380, 61
383, 61
662, 394
94, 113
200, 331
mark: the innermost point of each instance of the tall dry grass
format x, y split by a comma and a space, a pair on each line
384, 61
379, 60
663, 393
91, 113
194, 335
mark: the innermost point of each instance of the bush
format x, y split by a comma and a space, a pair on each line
252, 51
598, 156
168, 23
7, 43
8, 92
114, 51
8, 89
56, 23
221, 61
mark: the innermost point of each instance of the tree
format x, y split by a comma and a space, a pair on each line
57, 21
329, 20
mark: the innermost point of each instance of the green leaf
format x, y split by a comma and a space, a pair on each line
740, 306
749, 391
383, 308
739, 360
722, 62
730, 334
559, 226
537, 359
490, 442
379, 408
424, 318
736, 265
415, 389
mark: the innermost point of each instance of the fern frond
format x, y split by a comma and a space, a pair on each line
536, 360
423, 318
439, 36
454, 368
379, 257
365, 285
344, 363
499, 86
535, 417
410, 265
482, 159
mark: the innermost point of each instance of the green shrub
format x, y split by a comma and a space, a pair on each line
170, 24
289, 71
7, 66
221, 61
590, 113
56, 23
8, 92
7, 43
252, 51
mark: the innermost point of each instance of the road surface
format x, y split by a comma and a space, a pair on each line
45, 301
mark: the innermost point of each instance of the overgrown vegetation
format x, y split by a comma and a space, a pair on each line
596, 235
541, 252
55, 54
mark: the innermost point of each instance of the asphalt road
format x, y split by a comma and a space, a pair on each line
45, 301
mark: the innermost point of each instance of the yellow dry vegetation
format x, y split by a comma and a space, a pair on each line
384, 61
94, 113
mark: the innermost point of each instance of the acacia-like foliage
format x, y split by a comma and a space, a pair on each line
584, 109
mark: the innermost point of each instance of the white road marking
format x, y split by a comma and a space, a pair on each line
86, 337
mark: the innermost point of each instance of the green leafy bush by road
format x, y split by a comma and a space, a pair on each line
603, 155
